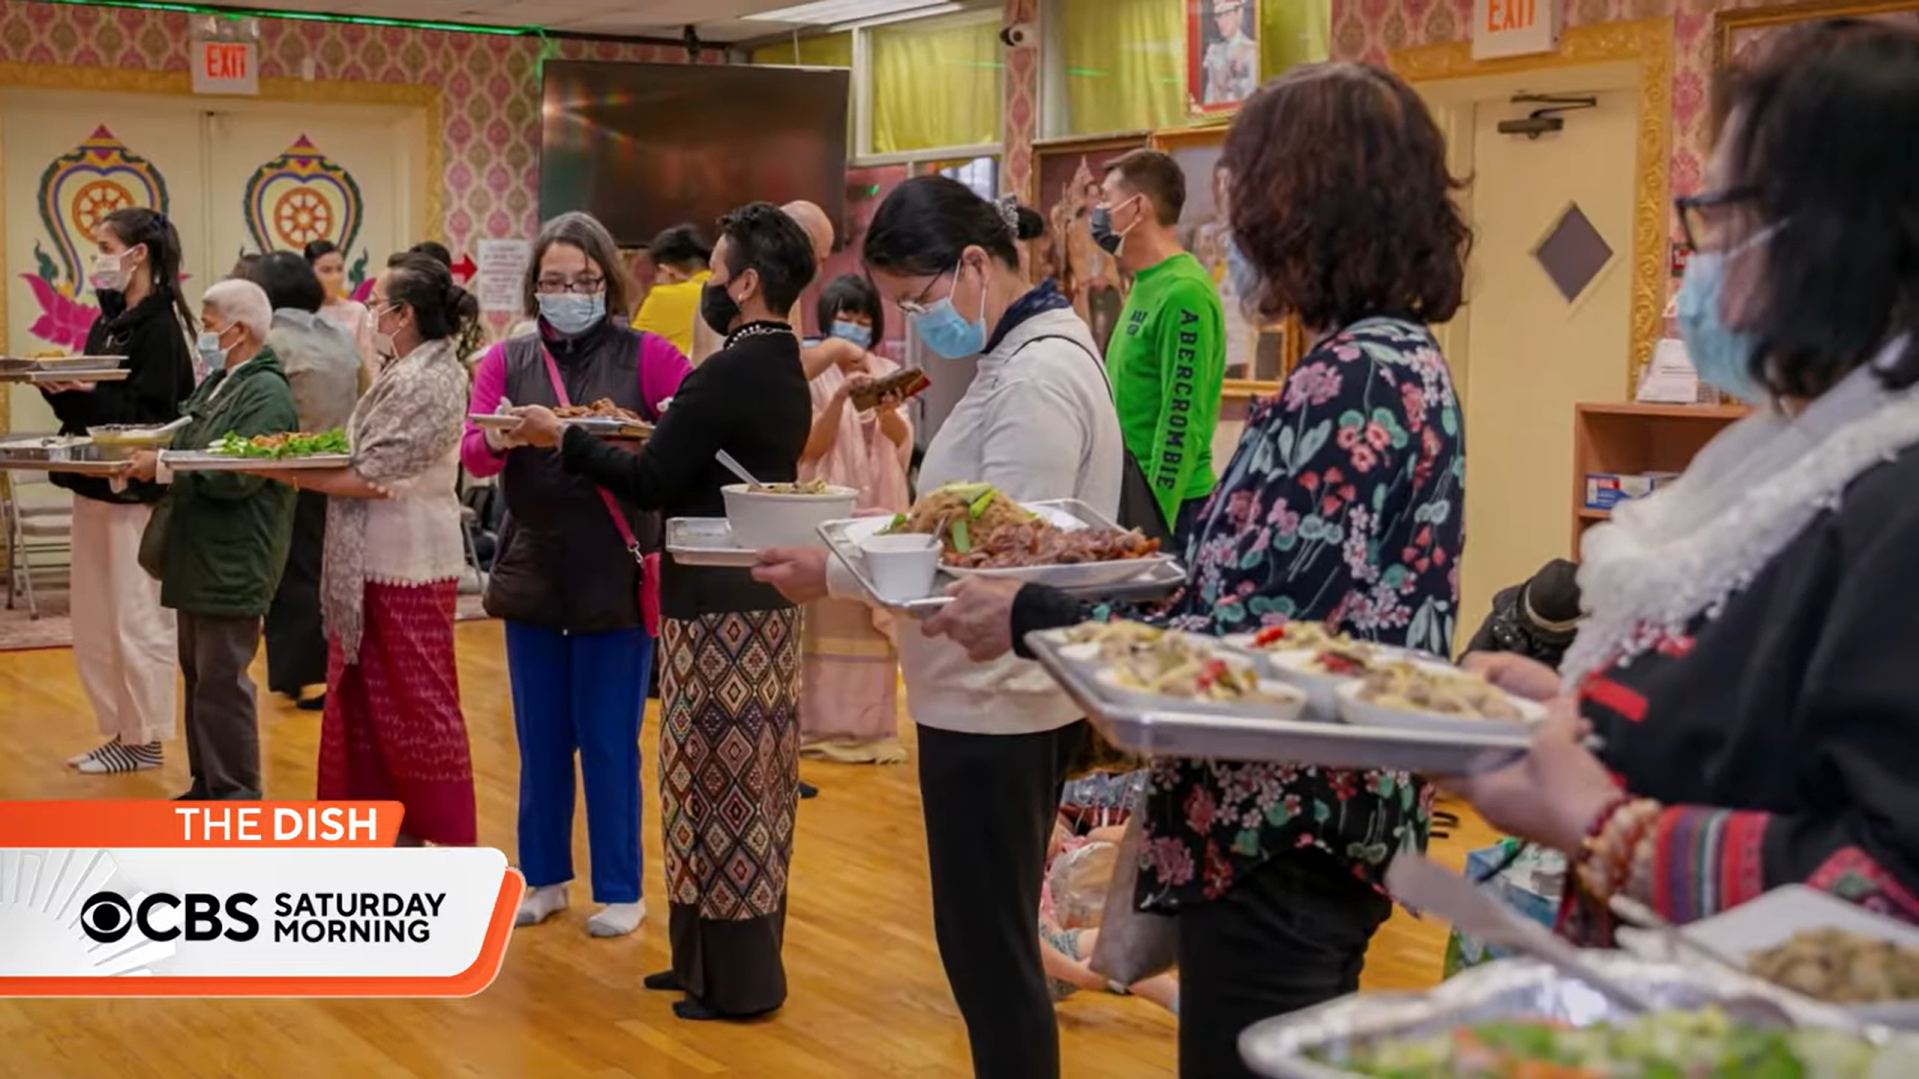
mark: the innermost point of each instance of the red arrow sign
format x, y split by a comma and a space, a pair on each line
463, 269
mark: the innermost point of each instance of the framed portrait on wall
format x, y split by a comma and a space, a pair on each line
1068, 173
1257, 355
1740, 36
1222, 54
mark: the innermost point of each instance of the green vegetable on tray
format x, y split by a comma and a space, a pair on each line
294, 444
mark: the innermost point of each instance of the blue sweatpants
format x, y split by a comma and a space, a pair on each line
579, 693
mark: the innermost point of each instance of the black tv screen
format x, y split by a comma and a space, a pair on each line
646, 146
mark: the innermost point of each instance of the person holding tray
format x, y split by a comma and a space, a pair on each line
124, 642
392, 727
1342, 504
849, 686
221, 543
995, 740
729, 738
579, 648
1748, 658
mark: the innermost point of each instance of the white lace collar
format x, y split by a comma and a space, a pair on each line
1665, 560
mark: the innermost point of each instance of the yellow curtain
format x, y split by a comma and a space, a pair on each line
821, 50
1125, 64
935, 84
1293, 32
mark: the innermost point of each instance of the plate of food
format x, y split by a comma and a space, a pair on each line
602, 417
1815, 944
1148, 667
1316, 659
234, 452
763, 515
984, 532
1414, 695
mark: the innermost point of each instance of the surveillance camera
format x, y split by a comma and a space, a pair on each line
1019, 35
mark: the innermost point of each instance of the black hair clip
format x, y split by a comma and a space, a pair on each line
160, 218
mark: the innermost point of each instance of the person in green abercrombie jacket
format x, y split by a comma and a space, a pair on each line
225, 542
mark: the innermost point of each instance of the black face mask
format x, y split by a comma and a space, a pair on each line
717, 308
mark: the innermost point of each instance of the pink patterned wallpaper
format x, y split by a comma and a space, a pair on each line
491, 107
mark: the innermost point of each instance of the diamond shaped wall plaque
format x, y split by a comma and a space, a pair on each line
1572, 252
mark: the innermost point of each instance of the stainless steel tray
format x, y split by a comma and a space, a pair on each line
83, 467
1172, 733
46, 364
1285, 1047
113, 374
197, 461
43, 449
706, 541
1158, 578
603, 426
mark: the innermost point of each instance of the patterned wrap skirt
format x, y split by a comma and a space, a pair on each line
392, 727
729, 775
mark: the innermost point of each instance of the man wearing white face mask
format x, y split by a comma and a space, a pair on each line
579, 647
123, 640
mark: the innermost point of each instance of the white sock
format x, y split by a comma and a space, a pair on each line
539, 904
81, 758
617, 919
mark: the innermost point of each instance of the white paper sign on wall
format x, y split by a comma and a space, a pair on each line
501, 276
226, 67
1515, 27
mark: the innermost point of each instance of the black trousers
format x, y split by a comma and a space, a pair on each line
1290, 935
222, 722
990, 801
295, 635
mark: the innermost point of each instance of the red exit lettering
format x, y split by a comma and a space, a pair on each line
224, 61
1508, 15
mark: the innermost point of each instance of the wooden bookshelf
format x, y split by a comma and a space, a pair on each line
1628, 437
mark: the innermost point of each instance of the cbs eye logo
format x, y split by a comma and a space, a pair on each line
107, 917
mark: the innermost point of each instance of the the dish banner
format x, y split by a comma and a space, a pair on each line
243, 899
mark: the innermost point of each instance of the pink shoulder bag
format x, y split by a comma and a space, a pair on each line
649, 563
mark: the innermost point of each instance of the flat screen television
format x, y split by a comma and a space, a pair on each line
646, 146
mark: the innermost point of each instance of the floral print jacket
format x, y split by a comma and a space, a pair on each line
1343, 504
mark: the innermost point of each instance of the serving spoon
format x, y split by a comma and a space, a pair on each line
738, 469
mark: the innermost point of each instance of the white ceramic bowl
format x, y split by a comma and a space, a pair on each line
1362, 713
761, 519
902, 567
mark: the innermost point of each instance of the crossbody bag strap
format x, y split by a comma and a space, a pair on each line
612, 508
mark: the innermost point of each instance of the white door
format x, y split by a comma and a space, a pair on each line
283, 177
1538, 345
70, 160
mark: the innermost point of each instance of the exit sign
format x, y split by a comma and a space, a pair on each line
226, 67
1514, 27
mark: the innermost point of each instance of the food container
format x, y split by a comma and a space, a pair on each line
762, 519
706, 541
44, 448
1287, 1047
1363, 713
119, 442
1174, 731
902, 567
1771, 920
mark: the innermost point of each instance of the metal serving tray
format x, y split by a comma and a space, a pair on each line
198, 461
1158, 577
109, 374
1286, 1047
706, 541
1172, 733
20, 365
604, 426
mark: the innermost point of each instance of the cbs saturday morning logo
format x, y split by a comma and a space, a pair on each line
259, 899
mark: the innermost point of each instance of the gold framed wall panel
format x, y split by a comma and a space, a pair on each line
1649, 44
1728, 23
430, 192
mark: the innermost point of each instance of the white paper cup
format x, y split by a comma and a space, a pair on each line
902, 568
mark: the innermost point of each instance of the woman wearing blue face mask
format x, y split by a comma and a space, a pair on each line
849, 684
1747, 662
578, 649
995, 739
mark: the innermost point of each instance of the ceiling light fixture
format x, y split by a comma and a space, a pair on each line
308, 16
832, 12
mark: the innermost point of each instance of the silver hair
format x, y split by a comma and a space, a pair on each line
244, 302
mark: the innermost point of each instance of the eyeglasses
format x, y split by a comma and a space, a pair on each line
919, 304
1703, 218
553, 286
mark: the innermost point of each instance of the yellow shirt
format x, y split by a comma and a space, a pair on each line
671, 311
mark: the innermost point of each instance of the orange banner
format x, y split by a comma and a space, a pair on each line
135, 824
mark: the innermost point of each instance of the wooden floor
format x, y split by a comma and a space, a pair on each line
867, 995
